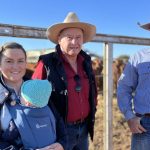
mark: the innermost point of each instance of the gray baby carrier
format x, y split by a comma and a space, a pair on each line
37, 126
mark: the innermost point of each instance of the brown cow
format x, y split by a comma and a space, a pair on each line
117, 68
97, 66
30, 69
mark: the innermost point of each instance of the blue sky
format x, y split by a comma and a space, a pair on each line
116, 17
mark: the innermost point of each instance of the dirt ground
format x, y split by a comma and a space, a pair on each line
121, 133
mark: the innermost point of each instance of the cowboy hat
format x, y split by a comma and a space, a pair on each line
145, 26
71, 21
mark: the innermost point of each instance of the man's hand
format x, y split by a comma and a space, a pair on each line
135, 126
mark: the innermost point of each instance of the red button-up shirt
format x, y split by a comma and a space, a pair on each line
78, 104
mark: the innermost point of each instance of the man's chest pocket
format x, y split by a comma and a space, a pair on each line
144, 71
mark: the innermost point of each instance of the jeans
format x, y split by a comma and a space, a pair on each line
77, 136
142, 141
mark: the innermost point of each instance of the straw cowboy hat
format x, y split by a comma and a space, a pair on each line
145, 26
71, 21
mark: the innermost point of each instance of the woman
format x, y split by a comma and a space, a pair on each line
13, 68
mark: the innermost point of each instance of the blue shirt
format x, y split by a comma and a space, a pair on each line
133, 91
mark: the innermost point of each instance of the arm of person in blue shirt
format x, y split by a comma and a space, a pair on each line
126, 86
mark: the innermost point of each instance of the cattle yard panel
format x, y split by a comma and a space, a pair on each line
108, 95
108, 40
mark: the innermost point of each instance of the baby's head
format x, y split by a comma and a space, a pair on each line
35, 93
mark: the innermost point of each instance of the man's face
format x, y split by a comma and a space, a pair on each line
70, 41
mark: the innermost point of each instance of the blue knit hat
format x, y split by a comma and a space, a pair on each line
36, 92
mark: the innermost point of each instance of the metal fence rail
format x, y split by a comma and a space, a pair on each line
108, 40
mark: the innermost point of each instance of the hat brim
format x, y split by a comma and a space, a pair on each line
53, 31
145, 26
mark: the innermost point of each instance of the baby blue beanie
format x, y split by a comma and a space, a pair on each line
37, 92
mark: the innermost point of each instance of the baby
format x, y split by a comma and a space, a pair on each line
33, 123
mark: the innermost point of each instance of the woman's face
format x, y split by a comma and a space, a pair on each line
70, 41
13, 65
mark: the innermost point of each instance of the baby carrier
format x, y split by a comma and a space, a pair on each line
37, 126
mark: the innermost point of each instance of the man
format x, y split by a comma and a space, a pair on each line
133, 96
69, 69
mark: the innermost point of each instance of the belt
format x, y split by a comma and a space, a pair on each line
77, 122
140, 115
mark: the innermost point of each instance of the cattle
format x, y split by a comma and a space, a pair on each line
117, 68
97, 65
30, 69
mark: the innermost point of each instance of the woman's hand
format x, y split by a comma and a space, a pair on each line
55, 146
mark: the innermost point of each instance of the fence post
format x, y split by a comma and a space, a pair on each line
108, 95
